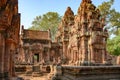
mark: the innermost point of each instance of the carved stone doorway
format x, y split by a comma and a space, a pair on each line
36, 58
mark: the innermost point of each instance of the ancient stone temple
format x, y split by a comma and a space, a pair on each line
9, 36
62, 36
36, 47
83, 36
83, 40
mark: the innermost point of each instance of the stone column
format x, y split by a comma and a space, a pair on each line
70, 57
89, 54
48, 55
80, 57
84, 51
104, 52
64, 49
8, 57
2, 51
103, 56
74, 55
92, 54
49, 46
118, 60
11, 64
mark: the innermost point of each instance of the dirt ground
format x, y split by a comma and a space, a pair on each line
31, 77
36, 78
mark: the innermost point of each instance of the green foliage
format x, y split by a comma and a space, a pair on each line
113, 46
105, 7
111, 15
113, 25
47, 21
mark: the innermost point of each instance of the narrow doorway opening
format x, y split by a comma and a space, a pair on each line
36, 58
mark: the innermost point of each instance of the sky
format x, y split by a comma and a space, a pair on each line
29, 9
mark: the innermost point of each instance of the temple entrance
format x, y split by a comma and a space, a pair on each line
36, 58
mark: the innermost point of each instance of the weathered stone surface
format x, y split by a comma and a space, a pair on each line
2, 3
33, 45
89, 73
36, 47
83, 36
84, 46
9, 35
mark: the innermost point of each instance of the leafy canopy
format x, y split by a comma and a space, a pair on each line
113, 25
47, 21
111, 15
113, 45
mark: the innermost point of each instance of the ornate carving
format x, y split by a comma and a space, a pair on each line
68, 16
87, 39
10, 25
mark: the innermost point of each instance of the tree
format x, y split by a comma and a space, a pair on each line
111, 15
47, 21
113, 25
113, 45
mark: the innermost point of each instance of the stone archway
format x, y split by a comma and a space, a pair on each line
37, 52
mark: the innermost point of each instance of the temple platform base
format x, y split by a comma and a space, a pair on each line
86, 73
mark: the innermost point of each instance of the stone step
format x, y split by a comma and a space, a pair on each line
37, 74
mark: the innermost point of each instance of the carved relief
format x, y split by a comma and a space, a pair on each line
86, 36
10, 26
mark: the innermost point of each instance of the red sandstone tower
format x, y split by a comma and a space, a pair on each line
84, 36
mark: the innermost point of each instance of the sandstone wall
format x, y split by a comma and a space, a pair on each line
9, 36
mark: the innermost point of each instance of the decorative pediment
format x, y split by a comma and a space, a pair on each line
68, 16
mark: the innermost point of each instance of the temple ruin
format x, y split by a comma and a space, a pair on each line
83, 36
78, 52
9, 37
36, 47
